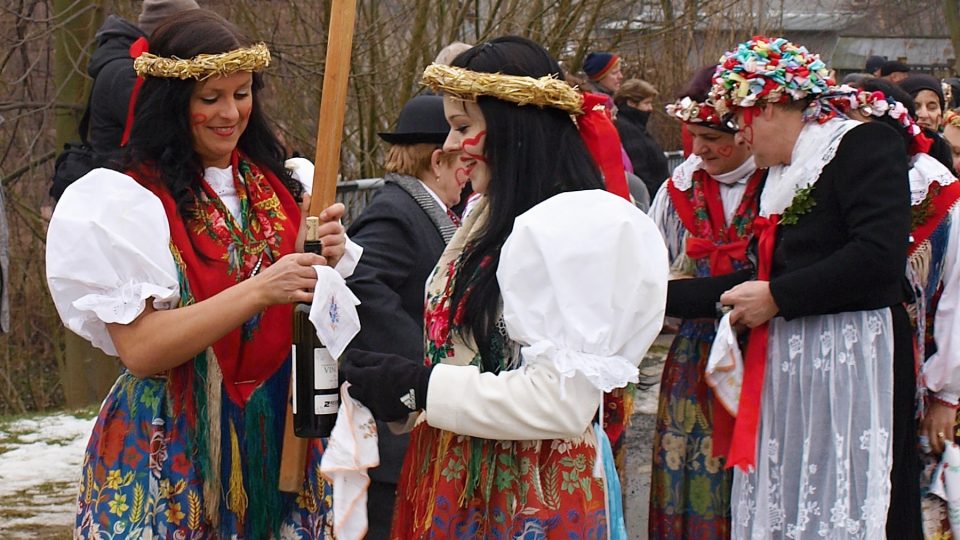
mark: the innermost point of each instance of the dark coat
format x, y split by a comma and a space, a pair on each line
645, 154
848, 253
851, 247
113, 78
401, 245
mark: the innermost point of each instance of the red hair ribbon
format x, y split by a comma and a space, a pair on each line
137, 48
603, 143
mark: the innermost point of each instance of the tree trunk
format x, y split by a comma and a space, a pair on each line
86, 373
951, 14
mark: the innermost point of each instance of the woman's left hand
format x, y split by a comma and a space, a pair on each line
938, 425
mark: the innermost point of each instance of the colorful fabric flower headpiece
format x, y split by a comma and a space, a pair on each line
951, 119
843, 99
771, 70
692, 111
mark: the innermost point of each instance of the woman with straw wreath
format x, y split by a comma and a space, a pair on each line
547, 297
188, 271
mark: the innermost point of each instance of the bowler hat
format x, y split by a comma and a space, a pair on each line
421, 121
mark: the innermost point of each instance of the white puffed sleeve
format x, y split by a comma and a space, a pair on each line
108, 251
302, 170
585, 298
941, 372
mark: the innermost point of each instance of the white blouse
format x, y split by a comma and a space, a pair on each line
108, 251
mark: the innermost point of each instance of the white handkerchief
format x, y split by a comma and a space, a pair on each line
334, 311
350, 452
725, 366
946, 484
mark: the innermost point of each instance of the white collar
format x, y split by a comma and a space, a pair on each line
739, 175
434, 195
815, 147
925, 170
682, 177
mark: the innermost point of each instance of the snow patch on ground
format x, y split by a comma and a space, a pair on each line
40, 460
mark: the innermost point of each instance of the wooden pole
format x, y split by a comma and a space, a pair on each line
333, 103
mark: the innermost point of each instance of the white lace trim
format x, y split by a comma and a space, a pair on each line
815, 147
121, 305
604, 372
683, 175
925, 170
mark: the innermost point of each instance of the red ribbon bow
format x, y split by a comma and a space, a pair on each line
721, 255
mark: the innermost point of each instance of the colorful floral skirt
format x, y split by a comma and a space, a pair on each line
690, 490
455, 486
141, 475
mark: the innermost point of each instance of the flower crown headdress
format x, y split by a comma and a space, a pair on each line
203, 66
547, 91
842, 99
951, 119
771, 70
692, 111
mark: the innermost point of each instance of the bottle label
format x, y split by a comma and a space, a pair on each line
293, 377
325, 375
326, 404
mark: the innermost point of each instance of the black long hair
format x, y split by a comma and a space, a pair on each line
160, 136
532, 154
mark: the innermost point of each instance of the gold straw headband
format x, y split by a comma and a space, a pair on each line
203, 66
547, 91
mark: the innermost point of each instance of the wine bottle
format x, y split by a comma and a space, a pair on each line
316, 394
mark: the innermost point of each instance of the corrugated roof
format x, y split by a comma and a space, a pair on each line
852, 51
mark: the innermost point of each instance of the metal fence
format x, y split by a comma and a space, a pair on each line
355, 194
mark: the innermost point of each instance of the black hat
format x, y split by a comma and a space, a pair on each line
892, 66
916, 82
874, 63
421, 121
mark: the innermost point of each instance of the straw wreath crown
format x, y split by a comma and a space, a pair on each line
203, 66
546, 91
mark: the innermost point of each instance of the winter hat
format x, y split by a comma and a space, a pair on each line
598, 64
154, 11
892, 66
916, 82
421, 121
874, 63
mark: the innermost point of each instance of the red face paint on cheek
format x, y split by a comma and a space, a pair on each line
725, 150
198, 118
469, 145
747, 135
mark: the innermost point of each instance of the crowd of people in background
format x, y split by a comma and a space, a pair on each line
805, 253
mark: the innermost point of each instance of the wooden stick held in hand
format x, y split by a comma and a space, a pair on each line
333, 100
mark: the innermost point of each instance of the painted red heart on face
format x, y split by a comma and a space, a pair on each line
746, 134
725, 150
463, 174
